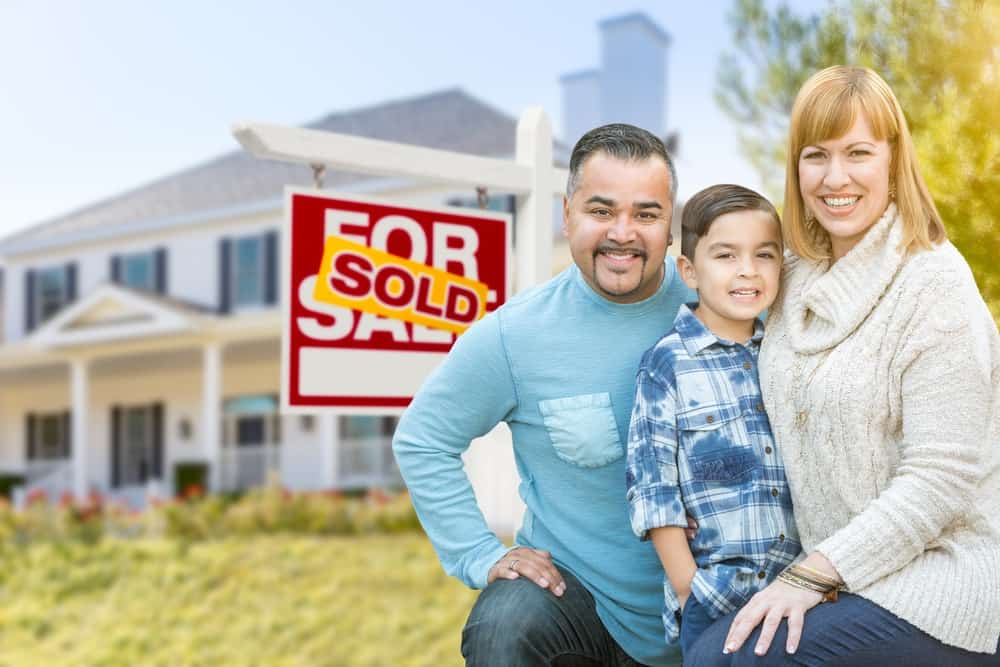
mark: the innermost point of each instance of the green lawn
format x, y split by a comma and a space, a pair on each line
268, 601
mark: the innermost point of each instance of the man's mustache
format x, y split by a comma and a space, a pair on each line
614, 247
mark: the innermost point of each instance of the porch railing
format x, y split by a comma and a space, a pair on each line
367, 462
246, 467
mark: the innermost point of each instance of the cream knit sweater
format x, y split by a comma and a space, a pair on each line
881, 378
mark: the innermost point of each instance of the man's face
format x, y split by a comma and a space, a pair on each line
618, 225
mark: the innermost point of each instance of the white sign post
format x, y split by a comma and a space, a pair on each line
531, 176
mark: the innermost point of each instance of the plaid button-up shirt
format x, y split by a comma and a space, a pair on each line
700, 444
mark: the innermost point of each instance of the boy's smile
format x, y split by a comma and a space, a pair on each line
736, 269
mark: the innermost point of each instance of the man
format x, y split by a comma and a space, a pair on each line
557, 363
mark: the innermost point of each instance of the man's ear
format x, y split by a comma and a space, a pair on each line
565, 222
688, 274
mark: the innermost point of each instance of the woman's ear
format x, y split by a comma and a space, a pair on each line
688, 274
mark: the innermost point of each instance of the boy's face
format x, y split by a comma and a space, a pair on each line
736, 269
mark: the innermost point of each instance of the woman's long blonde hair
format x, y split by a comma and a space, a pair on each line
826, 108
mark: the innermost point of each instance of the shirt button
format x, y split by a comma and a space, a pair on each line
747, 365
768, 449
710, 419
760, 407
762, 574
774, 492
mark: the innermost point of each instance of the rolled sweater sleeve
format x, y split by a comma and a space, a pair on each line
946, 391
464, 398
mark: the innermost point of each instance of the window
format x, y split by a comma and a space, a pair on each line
251, 421
51, 440
51, 292
248, 272
138, 270
46, 291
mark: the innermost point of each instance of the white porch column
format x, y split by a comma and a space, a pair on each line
329, 447
79, 400
211, 417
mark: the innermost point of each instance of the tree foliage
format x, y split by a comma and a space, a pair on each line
942, 59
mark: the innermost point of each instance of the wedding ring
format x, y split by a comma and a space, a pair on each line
513, 563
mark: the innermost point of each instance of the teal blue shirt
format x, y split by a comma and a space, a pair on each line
557, 364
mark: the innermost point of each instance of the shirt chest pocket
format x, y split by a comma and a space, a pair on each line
717, 444
583, 429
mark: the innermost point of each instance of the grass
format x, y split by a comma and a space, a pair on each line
266, 600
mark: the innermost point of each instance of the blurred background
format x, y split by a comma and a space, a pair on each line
161, 508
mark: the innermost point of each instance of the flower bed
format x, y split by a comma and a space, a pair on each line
196, 516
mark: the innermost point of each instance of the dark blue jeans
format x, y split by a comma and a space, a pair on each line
515, 623
851, 631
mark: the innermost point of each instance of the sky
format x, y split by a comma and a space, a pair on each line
100, 96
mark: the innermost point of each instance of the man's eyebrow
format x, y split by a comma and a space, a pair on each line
648, 204
596, 199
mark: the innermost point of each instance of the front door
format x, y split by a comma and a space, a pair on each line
137, 451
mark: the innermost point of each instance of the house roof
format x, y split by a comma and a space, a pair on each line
450, 120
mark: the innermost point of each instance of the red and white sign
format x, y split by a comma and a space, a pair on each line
375, 294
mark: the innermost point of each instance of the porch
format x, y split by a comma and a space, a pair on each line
116, 406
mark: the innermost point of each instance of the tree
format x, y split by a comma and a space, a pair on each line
942, 59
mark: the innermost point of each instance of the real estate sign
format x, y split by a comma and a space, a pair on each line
375, 293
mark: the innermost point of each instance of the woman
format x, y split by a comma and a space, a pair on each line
880, 371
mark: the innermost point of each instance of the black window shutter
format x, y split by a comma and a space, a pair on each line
225, 252
271, 268
276, 424
116, 268
160, 260
70, 282
67, 443
116, 446
29, 436
29, 300
157, 441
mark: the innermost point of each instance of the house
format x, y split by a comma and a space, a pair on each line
141, 334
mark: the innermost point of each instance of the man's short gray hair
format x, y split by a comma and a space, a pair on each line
622, 141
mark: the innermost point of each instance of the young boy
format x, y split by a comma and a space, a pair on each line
699, 442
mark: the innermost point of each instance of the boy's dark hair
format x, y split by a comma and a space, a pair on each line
717, 200
621, 141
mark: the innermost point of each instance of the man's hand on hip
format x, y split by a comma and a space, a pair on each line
533, 564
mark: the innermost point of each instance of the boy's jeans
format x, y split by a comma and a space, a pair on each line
694, 621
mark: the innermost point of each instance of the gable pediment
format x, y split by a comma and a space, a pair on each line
113, 313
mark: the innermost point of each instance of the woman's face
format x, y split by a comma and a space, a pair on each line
844, 182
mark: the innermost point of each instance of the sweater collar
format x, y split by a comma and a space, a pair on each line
833, 300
